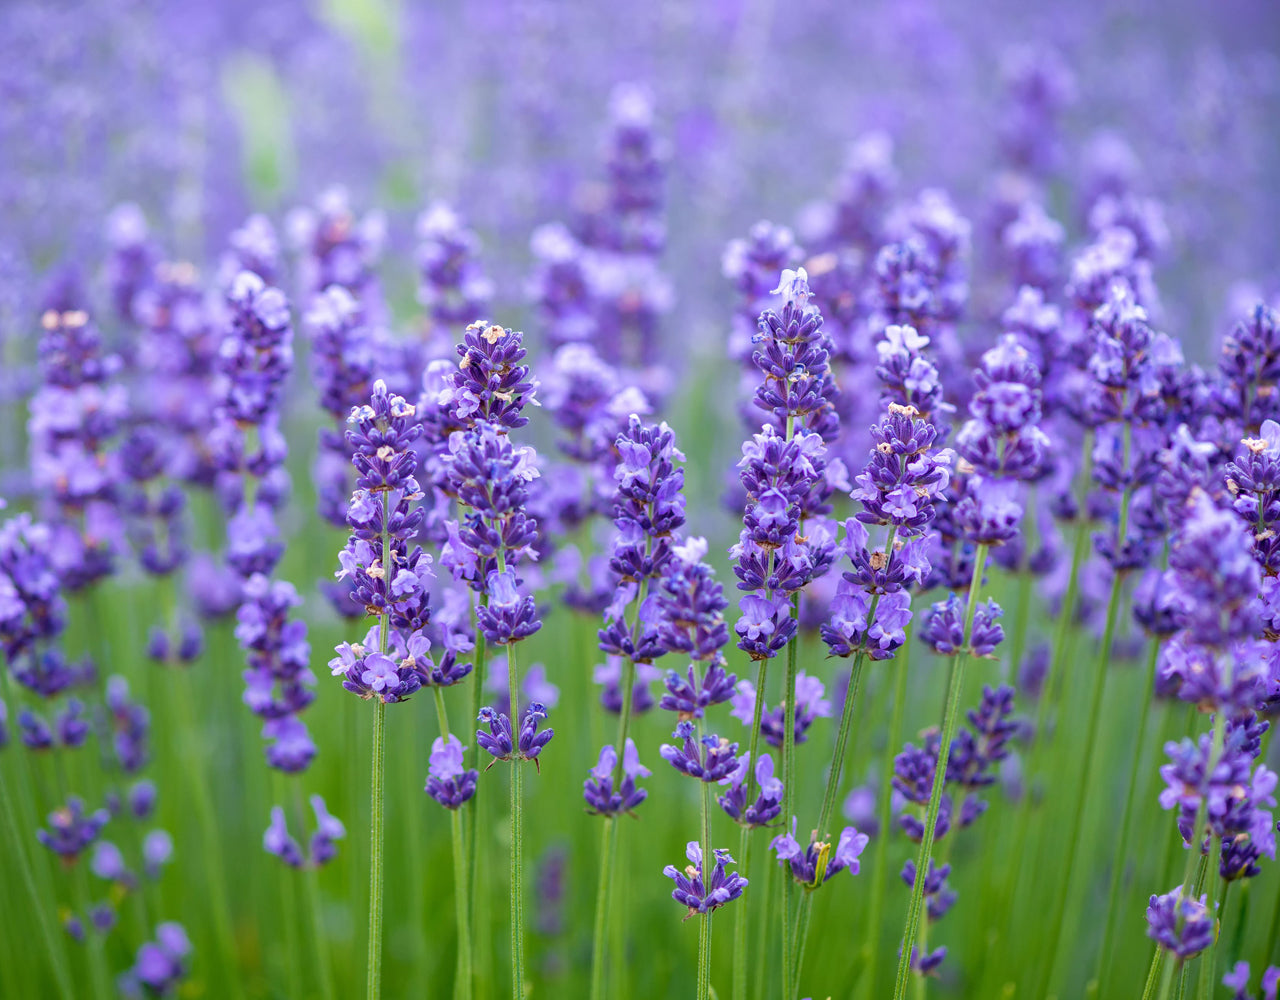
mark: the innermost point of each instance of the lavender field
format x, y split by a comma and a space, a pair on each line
723, 499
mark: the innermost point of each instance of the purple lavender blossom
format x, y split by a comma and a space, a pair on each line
1182, 926
161, 965
815, 864
448, 781
768, 803
708, 759
501, 744
71, 830
943, 629
278, 841
1237, 980
699, 895
811, 704
602, 798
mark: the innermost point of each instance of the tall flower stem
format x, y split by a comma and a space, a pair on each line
57, 955
1126, 823
183, 699
1064, 881
833, 785
789, 798
373, 980
1208, 960
609, 842
846, 715
744, 844
950, 719
462, 977
1012, 887
477, 917
93, 940
704, 929
517, 837
317, 930
883, 817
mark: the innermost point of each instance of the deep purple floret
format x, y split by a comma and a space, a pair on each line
599, 791
1184, 927
709, 759
699, 896
448, 781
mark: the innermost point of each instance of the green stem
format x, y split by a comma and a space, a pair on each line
609, 841
1064, 880
833, 788
1242, 921
517, 836
704, 930
762, 935
1011, 889
1166, 978
1153, 974
475, 873
950, 719
1273, 932
744, 844
1207, 958
39, 905
1126, 823
373, 981
183, 693
462, 976
93, 940
884, 817
317, 929
788, 809
608, 846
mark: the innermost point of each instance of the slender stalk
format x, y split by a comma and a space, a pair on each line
744, 844
1153, 974
884, 816
950, 719
1126, 823
312, 879
1166, 978
517, 838
292, 959
704, 930
462, 986
93, 940
57, 956
788, 810
1273, 932
477, 877
608, 845
760, 988
183, 699
373, 980
1242, 921
1064, 882
833, 788
609, 839
1207, 958
846, 716
1012, 886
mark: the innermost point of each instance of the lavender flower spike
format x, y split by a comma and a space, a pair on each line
598, 790
448, 781
697, 895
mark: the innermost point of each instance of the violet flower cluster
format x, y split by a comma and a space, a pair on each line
76, 468
321, 848
976, 753
390, 575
